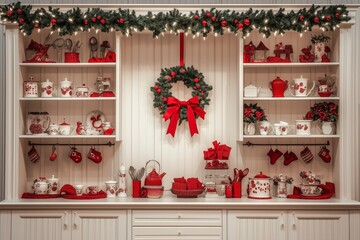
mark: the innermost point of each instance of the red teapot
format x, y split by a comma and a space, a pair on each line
153, 178
278, 87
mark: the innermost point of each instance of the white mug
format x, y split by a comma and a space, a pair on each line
53, 129
111, 188
303, 127
79, 189
277, 128
265, 128
285, 128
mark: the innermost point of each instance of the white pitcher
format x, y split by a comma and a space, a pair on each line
300, 87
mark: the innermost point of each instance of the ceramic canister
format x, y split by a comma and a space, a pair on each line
47, 88
111, 188
66, 88
31, 88
259, 187
54, 187
303, 127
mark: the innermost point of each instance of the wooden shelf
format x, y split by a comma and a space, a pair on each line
268, 65
290, 136
290, 98
69, 99
67, 136
65, 65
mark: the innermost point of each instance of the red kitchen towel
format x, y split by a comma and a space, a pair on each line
39, 196
328, 191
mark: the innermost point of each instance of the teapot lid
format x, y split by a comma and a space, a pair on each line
250, 86
261, 175
64, 123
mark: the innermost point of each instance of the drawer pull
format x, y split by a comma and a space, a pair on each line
179, 216
179, 233
65, 220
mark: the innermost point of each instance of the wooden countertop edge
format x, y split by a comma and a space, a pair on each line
174, 203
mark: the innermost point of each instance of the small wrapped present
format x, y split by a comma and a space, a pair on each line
218, 152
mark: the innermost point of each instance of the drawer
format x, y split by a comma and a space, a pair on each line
205, 233
177, 218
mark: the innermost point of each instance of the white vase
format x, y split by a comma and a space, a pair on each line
281, 190
249, 128
319, 51
327, 128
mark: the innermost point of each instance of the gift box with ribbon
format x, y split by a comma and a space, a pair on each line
216, 155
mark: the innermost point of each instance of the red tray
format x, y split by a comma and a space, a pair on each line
187, 193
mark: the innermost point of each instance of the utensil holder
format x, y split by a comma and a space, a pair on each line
136, 186
72, 57
237, 189
228, 191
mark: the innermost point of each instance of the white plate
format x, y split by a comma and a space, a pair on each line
95, 120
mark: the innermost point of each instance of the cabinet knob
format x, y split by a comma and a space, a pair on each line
75, 219
65, 220
179, 216
179, 233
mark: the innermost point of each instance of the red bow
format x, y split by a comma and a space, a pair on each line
173, 112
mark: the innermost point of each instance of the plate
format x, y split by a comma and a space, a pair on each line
95, 120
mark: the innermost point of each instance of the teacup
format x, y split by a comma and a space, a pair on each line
285, 128
79, 189
91, 190
53, 129
277, 128
265, 128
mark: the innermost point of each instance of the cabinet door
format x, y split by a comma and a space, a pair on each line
254, 225
169, 233
331, 225
95, 225
40, 225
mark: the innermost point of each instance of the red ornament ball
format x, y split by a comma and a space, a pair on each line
223, 23
173, 74
246, 22
102, 21
21, 21
86, 22
213, 19
98, 17
19, 11
240, 26
9, 13
121, 20
165, 99
93, 19
53, 21
204, 23
301, 18
337, 15
208, 14
236, 21
156, 87
36, 26
327, 18
316, 19
196, 80
196, 17
158, 90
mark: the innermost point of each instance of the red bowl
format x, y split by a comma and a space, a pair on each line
324, 94
187, 193
154, 191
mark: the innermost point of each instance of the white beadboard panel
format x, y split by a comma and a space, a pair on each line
2, 112
144, 135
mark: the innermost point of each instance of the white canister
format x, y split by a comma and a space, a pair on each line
66, 88
259, 187
111, 188
47, 89
53, 129
82, 91
303, 127
54, 187
251, 91
31, 88
65, 128
41, 187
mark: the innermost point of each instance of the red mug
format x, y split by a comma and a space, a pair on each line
136, 186
237, 189
75, 155
228, 191
94, 155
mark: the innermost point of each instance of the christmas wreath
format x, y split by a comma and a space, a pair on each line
174, 109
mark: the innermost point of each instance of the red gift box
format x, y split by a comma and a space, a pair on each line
179, 186
218, 152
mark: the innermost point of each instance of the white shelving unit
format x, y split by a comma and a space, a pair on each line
69, 99
291, 99
290, 65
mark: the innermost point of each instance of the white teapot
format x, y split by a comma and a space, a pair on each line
300, 87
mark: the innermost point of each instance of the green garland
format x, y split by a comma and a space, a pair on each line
199, 22
191, 78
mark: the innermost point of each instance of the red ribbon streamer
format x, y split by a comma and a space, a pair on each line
173, 113
182, 49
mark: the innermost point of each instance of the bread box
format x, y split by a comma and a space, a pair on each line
251, 91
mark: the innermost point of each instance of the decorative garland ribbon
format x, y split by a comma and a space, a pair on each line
182, 49
173, 113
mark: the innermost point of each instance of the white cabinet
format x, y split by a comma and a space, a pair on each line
297, 225
253, 225
64, 224
173, 224
330, 225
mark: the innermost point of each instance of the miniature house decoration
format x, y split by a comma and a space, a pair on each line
261, 53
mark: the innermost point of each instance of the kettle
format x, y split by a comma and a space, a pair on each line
153, 178
278, 87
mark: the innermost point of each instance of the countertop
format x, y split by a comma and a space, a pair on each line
169, 202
